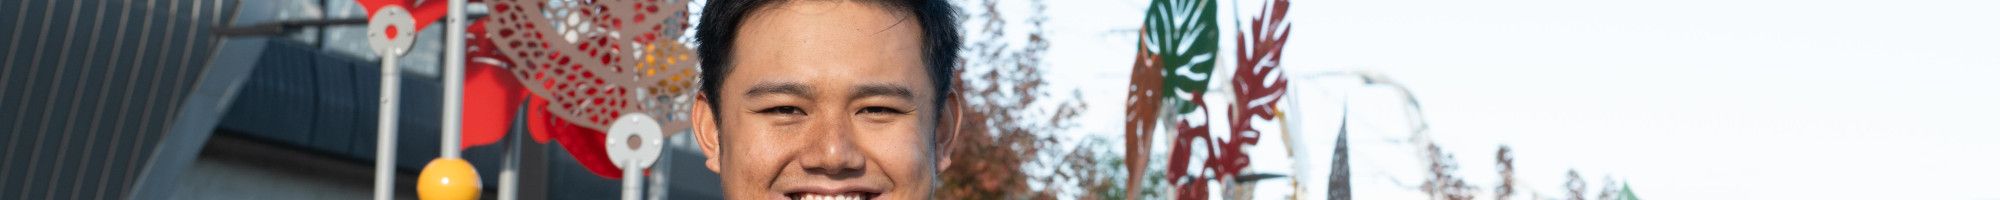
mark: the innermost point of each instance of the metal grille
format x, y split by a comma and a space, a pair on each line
90, 86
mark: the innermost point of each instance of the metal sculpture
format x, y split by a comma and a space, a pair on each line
1142, 113
580, 65
1184, 34
635, 143
593, 60
587, 63
390, 29
1176, 53
1258, 85
1178, 47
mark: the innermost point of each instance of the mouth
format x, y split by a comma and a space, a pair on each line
839, 196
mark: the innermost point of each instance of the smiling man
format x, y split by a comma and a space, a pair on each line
826, 99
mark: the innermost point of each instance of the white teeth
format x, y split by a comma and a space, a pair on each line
829, 197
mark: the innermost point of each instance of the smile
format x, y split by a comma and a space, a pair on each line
842, 196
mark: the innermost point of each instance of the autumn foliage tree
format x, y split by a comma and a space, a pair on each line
1006, 108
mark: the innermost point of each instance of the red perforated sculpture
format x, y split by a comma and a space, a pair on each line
577, 65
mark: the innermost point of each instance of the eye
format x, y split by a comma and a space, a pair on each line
881, 110
783, 110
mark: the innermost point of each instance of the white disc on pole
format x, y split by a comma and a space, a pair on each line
392, 28
634, 137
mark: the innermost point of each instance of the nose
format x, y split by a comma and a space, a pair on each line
834, 153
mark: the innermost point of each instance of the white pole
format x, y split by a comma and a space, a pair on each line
454, 75
631, 179
510, 168
385, 129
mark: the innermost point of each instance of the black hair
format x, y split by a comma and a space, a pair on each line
716, 35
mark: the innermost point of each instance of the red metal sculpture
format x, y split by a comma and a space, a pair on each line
577, 65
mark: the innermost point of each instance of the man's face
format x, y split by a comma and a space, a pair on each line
826, 100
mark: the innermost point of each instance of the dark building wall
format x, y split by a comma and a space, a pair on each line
318, 103
325, 102
89, 87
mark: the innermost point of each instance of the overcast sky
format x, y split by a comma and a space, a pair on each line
1691, 99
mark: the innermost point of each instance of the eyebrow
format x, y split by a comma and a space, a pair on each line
781, 88
889, 90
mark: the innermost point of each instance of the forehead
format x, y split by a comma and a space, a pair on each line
811, 41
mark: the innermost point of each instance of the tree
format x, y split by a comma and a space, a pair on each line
1444, 183
1505, 159
1625, 193
1003, 111
1575, 184
1097, 171
1610, 189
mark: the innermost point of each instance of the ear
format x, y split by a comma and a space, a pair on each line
705, 132
948, 136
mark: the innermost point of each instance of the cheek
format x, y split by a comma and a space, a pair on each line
902, 144
904, 154
750, 158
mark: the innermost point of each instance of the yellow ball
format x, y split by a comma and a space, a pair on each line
448, 179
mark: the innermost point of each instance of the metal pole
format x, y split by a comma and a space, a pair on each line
385, 129
510, 169
631, 179
454, 75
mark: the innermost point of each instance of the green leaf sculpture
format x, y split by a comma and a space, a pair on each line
1183, 33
